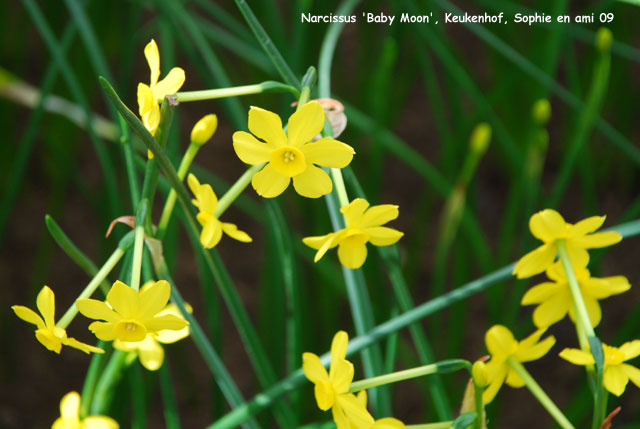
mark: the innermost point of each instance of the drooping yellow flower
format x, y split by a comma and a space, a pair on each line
212, 228
50, 335
331, 389
149, 350
364, 225
384, 423
554, 298
549, 226
291, 155
502, 346
70, 416
131, 315
150, 95
617, 373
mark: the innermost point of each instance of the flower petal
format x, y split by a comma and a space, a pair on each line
513, 379
232, 231
151, 354
268, 183
632, 372
123, 299
168, 321
28, 315
100, 422
171, 84
630, 349
552, 310
383, 236
540, 293
267, 126
577, 357
341, 375
104, 331
354, 211
211, 233
171, 336
72, 342
500, 341
617, 284
313, 182
355, 412
47, 306
378, 215
352, 257
388, 423
339, 346
70, 406
249, 149
49, 340
328, 153
547, 225
94, 309
153, 59
578, 256
535, 261
207, 199
322, 244
593, 310
305, 123
313, 369
597, 240
533, 351
586, 226
145, 99
153, 299
497, 373
615, 379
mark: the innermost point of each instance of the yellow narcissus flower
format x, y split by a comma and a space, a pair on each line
70, 416
554, 298
291, 155
131, 315
616, 373
384, 423
149, 350
150, 95
331, 389
364, 224
549, 226
212, 228
502, 346
50, 335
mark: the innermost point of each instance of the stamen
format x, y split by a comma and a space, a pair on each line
288, 157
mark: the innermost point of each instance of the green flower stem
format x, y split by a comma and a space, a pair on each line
105, 389
394, 377
68, 316
138, 249
91, 378
341, 190
540, 395
170, 407
236, 189
212, 94
438, 425
169, 205
582, 316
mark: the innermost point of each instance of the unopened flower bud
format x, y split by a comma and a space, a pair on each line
604, 39
480, 138
479, 372
204, 129
541, 111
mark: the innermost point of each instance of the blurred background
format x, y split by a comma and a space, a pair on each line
413, 94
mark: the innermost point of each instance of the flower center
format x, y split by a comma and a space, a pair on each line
130, 330
354, 237
288, 161
612, 356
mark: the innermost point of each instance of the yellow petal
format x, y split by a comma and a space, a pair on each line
28, 315
632, 372
533, 351
47, 306
328, 153
154, 299
249, 149
313, 369
513, 379
362, 397
586, 226
547, 225
552, 310
94, 309
70, 406
104, 331
151, 354
232, 231
49, 340
535, 261
630, 349
315, 242
172, 82
72, 342
145, 99
194, 185
151, 121
354, 211
578, 256
168, 321
341, 375
267, 126
597, 240
211, 233
577, 357
500, 341
540, 293
615, 380
383, 236
352, 257
388, 423
123, 299
100, 422
268, 183
355, 412
497, 373
617, 284
325, 395
339, 346
207, 199
593, 311
313, 182
153, 59
172, 336
305, 123
378, 215
322, 243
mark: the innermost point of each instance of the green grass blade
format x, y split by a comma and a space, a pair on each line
170, 407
